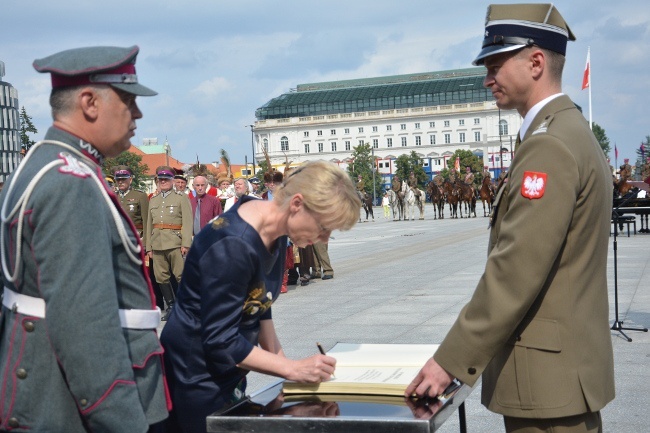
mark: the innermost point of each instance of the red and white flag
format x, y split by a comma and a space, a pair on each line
586, 77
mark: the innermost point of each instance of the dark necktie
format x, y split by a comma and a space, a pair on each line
197, 217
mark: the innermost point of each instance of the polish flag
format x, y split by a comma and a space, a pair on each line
586, 77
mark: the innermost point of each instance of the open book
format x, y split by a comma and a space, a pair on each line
376, 369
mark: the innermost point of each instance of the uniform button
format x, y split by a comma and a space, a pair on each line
471, 370
518, 338
29, 326
13, 422
21, 373
83, 402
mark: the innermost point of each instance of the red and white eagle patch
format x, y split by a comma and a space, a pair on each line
533, 185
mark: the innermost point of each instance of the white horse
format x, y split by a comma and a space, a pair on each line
409, 202
395, 204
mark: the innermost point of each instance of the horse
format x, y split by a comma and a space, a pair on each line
453, 196
396, 204
468, 198
621, 187
366, 204
487, 195
420, 200
437, 196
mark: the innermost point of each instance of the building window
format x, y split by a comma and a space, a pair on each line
403, 141
389, 127
477, 121
432, 139
333, 146
447, 138
320, 132
374, 129
347, 130
461, 137
306, 147
361, 129
432, 124
332, 131
361, 143
265, 143
320, 147
389, 142
477, 136
347, 145
284, 144
418, 140
305, 134
417, 125
375, 143
503, 127
446, 123
403, 126
461, 122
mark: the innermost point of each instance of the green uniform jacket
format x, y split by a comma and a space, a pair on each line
537, 326
175, 209
136, 205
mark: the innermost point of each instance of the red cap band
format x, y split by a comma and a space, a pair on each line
80, 80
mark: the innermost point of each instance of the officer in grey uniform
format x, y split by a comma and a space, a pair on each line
169, 233
135, 203
79, 349
537, 326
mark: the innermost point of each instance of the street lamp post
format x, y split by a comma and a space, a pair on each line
252, 145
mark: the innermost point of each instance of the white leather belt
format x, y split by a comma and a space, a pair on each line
31, 306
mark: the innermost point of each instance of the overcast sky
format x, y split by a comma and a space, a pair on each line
214, 62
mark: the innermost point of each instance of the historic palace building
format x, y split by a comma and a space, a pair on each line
433, 114
9, 127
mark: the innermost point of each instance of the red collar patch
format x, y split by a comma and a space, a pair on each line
533, 185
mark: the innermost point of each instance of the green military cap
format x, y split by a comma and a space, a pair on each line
509, 27
165, 172
114, 66
122, 172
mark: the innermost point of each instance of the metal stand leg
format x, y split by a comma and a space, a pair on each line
461, 418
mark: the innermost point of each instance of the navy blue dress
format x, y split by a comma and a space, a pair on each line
229, 282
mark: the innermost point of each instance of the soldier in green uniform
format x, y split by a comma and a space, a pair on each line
361, 185
135, 203
452, 175
537, 326
469, 179
396, 184
169, 233
413, 184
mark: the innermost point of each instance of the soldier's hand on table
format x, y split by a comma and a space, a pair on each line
431, 381
315, 369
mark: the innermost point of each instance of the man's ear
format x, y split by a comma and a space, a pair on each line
89, 101
538, 62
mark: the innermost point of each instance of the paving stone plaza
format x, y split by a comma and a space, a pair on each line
406, 281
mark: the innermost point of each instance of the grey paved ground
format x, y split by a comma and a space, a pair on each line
405, 282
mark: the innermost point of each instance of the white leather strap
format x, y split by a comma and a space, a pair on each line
31, 306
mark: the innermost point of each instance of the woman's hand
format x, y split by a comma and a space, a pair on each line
315, 369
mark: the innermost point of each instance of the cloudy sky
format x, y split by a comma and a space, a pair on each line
214, 62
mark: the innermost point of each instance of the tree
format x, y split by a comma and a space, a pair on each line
411, 163
364, 165
131, 160
26, 126
466, 157
642, 155
601, 137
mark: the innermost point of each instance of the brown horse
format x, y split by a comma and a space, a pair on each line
437, 196
487, 195
366, 204
468, 198
621, 187
452, 194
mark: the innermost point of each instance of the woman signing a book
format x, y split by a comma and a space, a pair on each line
221, 325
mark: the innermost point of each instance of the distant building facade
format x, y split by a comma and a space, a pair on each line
433, 114
10, 148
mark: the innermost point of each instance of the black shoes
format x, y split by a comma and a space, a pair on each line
327, 277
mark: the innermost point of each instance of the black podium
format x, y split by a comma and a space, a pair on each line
269, 411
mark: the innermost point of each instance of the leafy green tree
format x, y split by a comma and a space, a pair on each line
466, 157
131, 160
642, 157
411, 163
364, 165
601, 137
26, 126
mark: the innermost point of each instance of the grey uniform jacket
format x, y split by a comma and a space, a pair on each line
537, 326
76, 369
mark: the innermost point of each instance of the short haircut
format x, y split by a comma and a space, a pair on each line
327, 191
62, 99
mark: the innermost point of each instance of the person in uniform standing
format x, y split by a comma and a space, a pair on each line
169, 234
135, 203
94, 362
537, 327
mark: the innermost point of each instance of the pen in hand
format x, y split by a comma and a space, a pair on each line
322, 352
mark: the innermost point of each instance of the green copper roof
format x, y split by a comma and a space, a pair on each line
381, 93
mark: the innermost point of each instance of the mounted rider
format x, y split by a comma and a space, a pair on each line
361, 188
625, 171
469, 179
413, 184
452, 175
396, 185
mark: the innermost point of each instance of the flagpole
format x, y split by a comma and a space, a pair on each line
589, 72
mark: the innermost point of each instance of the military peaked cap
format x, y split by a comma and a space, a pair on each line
114, 66
165, 172
122, 172
509, 27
